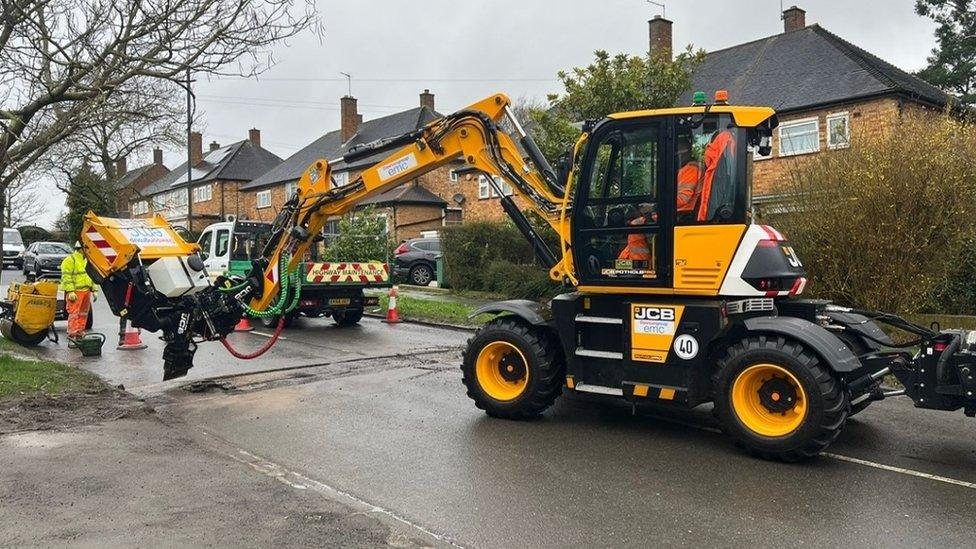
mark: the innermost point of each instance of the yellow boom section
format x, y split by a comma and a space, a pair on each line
470, 135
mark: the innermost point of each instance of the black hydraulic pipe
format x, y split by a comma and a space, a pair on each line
548, 174
370, 149
539, 245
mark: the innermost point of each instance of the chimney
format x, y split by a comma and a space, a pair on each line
350, 119
120, 167
427, 100
158, 156
660, 37
196, 148
794, 19
214, 145
254, 136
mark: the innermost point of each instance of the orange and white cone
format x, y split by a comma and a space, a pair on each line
244, 325
131, 340
392, 317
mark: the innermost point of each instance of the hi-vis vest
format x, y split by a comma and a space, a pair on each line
73, 275
637, 247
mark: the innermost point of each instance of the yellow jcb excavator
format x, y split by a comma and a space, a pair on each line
674, 295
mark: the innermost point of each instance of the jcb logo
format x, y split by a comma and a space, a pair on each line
653, 313
791, 257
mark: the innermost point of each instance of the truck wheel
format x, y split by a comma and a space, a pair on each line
512, 370
774, 397
271, 322
347, 317
421, 275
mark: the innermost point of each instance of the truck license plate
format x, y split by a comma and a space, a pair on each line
340, 301
309, 303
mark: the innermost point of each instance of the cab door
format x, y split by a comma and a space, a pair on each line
624, 209
219, 261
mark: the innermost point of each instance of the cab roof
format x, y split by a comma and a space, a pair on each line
745, 117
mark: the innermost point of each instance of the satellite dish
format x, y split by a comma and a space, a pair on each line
459, 198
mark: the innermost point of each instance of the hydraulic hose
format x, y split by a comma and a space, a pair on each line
264, 348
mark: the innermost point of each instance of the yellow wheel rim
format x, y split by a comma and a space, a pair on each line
503, 372
769, 400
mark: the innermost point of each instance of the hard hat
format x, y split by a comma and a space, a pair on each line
77, 244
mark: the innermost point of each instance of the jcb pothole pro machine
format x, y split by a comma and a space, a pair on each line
675, 295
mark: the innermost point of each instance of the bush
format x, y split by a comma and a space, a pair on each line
494, 257
362, 237
881, 225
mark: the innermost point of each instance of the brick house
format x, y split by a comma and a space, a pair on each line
217, 177
131, 184
827, 91
442, 197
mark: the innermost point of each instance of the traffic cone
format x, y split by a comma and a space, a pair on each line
131, 341
244, 325
392, 317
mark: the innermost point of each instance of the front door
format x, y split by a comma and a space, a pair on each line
623, 213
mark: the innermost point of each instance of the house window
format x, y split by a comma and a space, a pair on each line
485, 190
453, 216
140, 208
453, 176
202, 194
838, 130
264, 199
340, 179
290, 189
799, 137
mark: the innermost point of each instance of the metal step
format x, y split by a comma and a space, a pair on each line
599, 354
599, 319
599, 389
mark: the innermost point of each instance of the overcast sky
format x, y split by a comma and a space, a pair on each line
464, 50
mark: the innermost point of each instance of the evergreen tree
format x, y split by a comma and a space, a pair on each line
952, 65
87, 190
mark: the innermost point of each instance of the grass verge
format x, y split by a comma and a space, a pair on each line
26, 377
411, 308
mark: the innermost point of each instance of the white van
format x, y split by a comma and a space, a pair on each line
13, 248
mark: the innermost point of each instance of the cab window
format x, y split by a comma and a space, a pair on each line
223, 240
205, 240
620, 216
712, 186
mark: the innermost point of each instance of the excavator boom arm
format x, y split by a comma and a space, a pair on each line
471, 135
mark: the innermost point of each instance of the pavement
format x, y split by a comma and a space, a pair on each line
376, 416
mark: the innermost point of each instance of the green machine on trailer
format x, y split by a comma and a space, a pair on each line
332, 289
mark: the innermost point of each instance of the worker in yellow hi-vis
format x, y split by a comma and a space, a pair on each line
79, 292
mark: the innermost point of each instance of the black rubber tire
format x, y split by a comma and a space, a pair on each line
545, 366
421, 274
347, 317
827, 407
17, 334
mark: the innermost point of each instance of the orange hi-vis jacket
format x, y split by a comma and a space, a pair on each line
637, 248
689, 186
721, 146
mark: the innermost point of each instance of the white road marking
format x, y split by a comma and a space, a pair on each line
262, 334
848, 459
901, 470
301, 482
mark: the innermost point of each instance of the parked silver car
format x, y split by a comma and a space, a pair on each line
42, 258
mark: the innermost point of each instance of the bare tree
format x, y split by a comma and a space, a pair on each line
66, 65
25, 203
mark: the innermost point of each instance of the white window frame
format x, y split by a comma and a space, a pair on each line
800, 122
290, 189
262, 199
341, 179
140, 207
202, 193
838, 116
444, 222
485, 190
756, 156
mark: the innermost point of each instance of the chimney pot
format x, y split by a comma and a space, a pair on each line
254, 136
350, 119
214, 145
427, 99
660, 37
120, 167
794, 19
158, 156
196, 148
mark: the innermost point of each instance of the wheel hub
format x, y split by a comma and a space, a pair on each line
777, 395
511, 367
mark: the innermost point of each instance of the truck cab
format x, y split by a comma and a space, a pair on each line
333, 289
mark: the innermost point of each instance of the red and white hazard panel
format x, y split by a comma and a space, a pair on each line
348, 272
103, 246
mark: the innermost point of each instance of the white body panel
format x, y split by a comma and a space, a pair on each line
734, 285
172, 277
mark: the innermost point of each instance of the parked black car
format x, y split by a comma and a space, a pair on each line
416, 260
44, 257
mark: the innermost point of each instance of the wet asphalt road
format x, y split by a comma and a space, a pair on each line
400, 434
